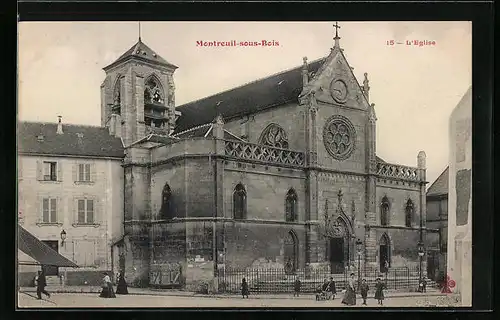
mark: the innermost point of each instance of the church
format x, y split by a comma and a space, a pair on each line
281, 171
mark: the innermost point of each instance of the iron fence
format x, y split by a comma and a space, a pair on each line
282, 281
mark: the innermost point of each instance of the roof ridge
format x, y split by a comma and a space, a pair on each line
249, 83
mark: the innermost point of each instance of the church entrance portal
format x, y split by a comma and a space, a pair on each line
337, 255
384, 251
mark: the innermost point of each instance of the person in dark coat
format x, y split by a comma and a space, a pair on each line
41, 283
379, 291
350, 293
107, 288
244, 288
296, 287
121, 287
331, 288
364, 290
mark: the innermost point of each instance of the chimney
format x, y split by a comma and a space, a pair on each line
59, 126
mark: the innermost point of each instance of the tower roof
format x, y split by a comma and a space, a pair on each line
141, 51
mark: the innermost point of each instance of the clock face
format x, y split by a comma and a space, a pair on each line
338, 89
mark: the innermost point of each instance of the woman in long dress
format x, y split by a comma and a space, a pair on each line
107, 288
350, 293
121, 287
379, 291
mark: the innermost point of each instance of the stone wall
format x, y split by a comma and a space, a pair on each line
266, 188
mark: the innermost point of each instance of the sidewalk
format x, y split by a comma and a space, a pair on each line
181, 293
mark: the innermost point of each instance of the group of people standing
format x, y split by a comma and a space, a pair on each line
107, 287
350, 294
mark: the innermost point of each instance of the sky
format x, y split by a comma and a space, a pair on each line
414, 88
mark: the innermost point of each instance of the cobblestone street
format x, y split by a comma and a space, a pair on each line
71, 300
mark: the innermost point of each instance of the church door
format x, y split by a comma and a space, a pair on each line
291, 254
337, 255
384, 253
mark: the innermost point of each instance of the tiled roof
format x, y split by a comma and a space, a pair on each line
76, 140
440, 186
142, 52
252, 97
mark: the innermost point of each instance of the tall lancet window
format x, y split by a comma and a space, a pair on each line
291, 206
166, 198
153, 92
384, 211
116, 106
409, 211
239, 202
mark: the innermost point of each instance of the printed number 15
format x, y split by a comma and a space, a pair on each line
390, 42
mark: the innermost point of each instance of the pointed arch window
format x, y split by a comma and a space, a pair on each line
166, 198
291, 206
409, 211
116, 106
384, 212
239, 202
153, 92
274, 136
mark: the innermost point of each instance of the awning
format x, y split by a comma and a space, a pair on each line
41, 252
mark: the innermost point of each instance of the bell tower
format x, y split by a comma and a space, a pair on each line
138, 95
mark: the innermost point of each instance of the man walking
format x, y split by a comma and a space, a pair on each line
41, 283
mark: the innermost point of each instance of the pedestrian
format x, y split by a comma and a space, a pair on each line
331, 288
244, 288
121, 287
379, 291
296, 287
350, 293
107, 287
41, 283
364, 290
424, 285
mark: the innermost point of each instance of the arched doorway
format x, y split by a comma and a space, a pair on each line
291, 252
338, 247
384, 253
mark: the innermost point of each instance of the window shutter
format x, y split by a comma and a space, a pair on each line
97, 211
59, 171
39, 168
92, 172
75, 172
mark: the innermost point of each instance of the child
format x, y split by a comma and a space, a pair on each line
364, 291
332, 289
244, 288
296, 287
379, 292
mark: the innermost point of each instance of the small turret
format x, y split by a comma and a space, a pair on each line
366, 87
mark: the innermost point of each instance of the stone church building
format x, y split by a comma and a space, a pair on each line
281, 171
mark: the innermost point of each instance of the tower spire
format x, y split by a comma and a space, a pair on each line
337, 38
139, 31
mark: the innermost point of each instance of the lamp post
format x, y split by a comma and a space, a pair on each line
421, 253
63, 237
359, 245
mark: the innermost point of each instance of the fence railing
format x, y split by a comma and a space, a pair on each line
281, 281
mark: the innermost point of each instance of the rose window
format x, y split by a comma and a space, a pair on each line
339, 137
